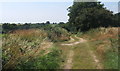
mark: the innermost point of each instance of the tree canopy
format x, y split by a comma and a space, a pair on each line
86, 15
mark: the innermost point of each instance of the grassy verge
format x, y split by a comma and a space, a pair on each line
105, 45
82, 57
48, 61
65, 51
24, 48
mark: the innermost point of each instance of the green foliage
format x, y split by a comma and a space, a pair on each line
56, 33
49, 61
6, 27
47, 22
114, 44
21, 48
18, 43
111, 56
111, 61
117, 19
86, 15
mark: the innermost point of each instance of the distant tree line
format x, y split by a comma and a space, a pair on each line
9, 27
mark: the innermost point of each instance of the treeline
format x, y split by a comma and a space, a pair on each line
84, 16
9, 27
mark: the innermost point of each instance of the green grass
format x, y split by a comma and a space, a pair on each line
65, 51
82, 57
2, 35
23, 50
21, 44
111, 61
49, 61
111, 55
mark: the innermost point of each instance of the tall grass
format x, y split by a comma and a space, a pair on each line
111, 55
57, 34
105, 44
20, 43
19, 47
49, 61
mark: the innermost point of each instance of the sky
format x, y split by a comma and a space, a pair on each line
34, 12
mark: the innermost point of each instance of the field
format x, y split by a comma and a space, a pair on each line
39, 36
45, 49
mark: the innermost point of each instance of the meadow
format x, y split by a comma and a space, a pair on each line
59, 49
88, 40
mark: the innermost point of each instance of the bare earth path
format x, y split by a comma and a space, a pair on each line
69, 62
98, 66
81, 40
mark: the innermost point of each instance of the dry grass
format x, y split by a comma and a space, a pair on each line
105, 33
23, 44
104, 41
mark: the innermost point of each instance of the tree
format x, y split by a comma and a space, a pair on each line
86, 15
117, 20
61, 23
47, 22
26, 26
6, 27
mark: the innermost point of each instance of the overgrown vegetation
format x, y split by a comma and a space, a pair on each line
48, 61
31, 46
20, 43
57, 33
105, 44
111, 55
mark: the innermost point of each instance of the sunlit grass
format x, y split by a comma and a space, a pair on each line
82, 57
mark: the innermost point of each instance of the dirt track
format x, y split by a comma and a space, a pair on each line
69, 61
81, 40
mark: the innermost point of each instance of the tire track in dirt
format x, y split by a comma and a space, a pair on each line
69, 61
71, 39
81, 40
97, 62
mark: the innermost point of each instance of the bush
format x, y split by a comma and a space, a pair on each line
56, 33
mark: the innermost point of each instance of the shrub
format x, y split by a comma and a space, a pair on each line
58, 34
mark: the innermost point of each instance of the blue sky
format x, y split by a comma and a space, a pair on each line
21, 12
